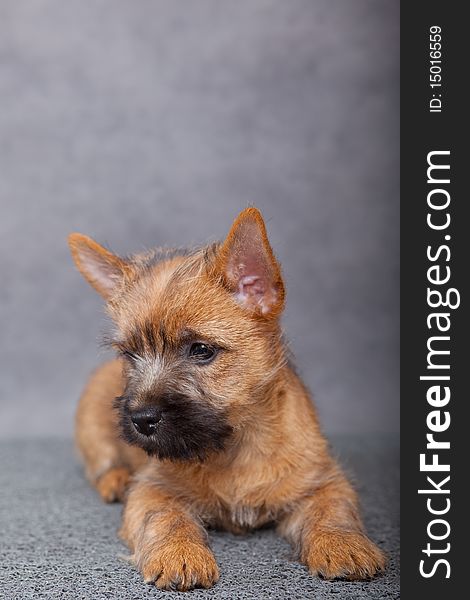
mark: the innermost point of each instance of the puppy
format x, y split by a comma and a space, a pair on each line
201, 421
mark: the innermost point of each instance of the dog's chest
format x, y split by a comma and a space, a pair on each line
241, 516
242, 507
236, 499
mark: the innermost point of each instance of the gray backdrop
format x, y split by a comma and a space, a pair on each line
144, 123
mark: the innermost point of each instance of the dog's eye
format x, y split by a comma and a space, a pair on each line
202, 352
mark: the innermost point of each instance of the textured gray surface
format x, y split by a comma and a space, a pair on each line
145, 123
59, 542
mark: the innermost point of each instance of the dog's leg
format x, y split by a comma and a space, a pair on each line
169, 545
327, 532
108, 461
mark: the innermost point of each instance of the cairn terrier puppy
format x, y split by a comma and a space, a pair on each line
201, 421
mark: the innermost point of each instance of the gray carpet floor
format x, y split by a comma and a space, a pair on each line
59, 541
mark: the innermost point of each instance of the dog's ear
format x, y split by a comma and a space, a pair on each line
105, 271
249, 267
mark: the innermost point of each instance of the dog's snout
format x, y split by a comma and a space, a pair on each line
146, 421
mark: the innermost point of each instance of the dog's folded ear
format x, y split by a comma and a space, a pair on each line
105, 271
249, 267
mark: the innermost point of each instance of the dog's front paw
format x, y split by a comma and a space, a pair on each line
342, 554
181, 566
113, 484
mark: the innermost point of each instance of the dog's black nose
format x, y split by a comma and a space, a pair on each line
146, 421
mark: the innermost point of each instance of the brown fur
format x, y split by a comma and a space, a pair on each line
273, 466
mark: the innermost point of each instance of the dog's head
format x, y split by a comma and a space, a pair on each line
198, 333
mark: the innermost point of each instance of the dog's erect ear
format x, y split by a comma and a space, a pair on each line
249, 266
102, 269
